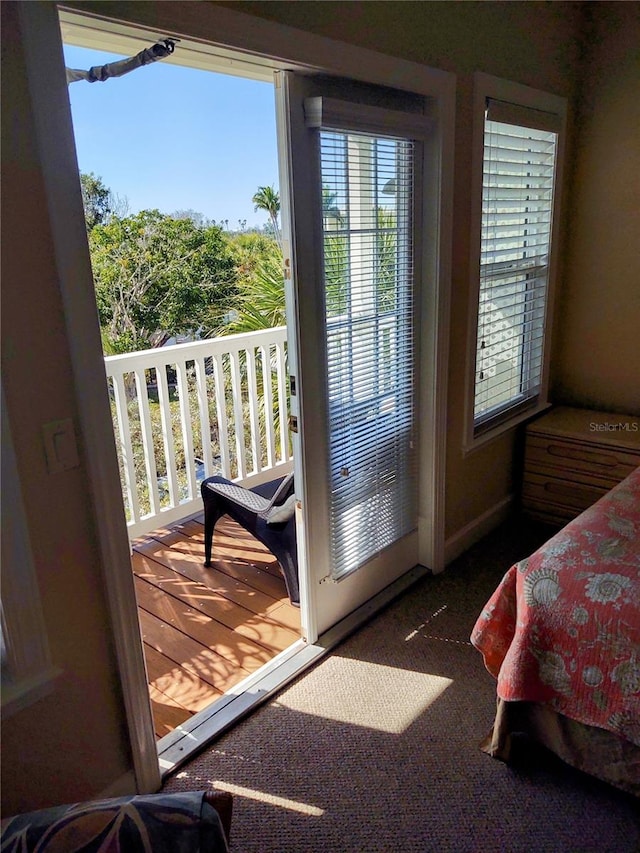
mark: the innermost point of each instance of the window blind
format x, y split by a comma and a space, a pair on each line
517, 209
367, 200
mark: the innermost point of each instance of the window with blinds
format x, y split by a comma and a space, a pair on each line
367, 223
519, 167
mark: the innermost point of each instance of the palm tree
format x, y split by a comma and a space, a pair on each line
261, 303
268, 199
331, 214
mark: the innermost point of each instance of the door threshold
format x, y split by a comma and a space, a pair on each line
194, 734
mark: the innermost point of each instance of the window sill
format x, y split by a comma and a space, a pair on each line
474, 443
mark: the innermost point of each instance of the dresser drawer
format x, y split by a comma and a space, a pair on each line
573, 496
549, 512
608, 465
573, 457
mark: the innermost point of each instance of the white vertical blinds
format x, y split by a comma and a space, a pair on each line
367, 199
517, 208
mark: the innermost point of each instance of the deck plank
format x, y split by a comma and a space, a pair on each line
190, 654
288, 616
204, 630
167, 715
261, 629
229, 536
199, 626
191, 566
250, 568
181, 687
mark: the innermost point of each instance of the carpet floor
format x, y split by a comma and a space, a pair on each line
376, 748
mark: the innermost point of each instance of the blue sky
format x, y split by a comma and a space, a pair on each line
176, 138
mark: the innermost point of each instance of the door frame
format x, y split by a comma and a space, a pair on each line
280, 47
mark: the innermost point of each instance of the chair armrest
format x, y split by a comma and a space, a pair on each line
222, 802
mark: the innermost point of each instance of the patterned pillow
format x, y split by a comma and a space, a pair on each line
154, 823
280, 514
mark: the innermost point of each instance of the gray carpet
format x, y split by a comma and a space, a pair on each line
376, 748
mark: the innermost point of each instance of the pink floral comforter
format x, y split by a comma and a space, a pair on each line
563, 626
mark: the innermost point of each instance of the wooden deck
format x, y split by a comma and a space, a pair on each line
205, 630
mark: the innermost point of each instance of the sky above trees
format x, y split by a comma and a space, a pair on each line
174, 138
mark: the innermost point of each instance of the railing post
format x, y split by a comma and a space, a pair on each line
254, 421
236, 392
236, 387
282, 401
187, 432
147, 442
203, 409
221, 411
122, 414
167, 435
265, 353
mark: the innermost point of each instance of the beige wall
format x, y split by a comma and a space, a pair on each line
531, 43
70, 744
597, 362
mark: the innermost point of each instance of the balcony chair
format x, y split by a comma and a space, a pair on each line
267, 511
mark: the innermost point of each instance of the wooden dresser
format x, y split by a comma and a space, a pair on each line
574, 456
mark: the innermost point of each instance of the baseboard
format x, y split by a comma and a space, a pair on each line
471, 533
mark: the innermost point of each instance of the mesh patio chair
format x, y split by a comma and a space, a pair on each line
266, 511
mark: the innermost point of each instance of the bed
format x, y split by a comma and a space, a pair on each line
561, 634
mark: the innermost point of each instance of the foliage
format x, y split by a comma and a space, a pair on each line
386, 260
268, 199
198, 219
157, 277
330, 210
100, 203
336, 265
97, 200
336, 271
248, 248
260, 303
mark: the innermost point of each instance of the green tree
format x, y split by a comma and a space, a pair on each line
156, 277
260, 303
268, 199
336, 273
97, 200
386, 260
331, 214
198, 219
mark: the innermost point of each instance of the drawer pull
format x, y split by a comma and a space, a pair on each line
603, 459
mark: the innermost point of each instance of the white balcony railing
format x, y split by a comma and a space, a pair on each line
182, 413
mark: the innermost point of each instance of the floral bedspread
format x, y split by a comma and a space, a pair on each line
563, 626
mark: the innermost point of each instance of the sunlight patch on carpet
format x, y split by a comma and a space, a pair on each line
370, 695
271, 799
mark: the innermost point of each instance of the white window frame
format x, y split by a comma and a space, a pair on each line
489, 87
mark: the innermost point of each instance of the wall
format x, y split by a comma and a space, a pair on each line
76, 736
531, 43
597, 362
70, 744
